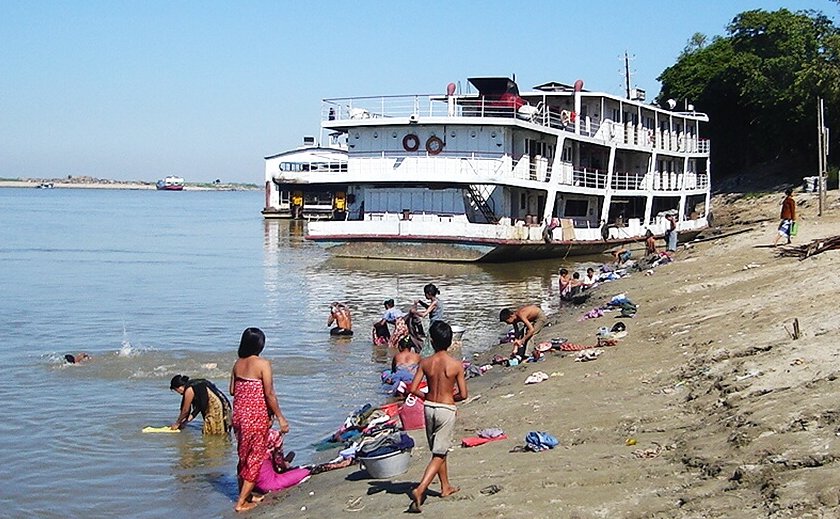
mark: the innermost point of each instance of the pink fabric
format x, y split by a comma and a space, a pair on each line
250, 423
270, 481
475, 441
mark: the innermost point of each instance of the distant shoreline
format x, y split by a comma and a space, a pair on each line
96, 183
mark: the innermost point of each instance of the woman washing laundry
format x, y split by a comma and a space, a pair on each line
434, 308
199, 396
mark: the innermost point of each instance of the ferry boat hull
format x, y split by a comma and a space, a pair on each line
465, 250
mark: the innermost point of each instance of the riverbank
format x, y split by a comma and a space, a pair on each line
98, 183
708, 408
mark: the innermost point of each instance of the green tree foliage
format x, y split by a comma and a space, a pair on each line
759, 85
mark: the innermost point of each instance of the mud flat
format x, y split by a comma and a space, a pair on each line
708, 408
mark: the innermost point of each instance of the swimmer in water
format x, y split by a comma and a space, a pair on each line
77, 358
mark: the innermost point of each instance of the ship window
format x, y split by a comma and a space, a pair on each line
576, 208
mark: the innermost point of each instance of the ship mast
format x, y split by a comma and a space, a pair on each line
627, 74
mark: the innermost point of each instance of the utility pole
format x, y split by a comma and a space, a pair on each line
822, 147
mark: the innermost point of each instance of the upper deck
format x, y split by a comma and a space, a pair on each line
588, 116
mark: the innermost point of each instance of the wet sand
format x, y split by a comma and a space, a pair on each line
708, 408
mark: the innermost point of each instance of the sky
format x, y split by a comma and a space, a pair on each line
132, 90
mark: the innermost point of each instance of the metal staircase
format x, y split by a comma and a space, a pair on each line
480, 203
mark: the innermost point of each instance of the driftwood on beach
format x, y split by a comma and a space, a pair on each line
810, 249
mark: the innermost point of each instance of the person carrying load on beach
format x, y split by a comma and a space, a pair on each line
443, 374
199, 396
527, 322
255, 408
340, 315
787, 216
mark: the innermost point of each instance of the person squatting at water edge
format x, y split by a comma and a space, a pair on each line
527, 322
199, 396
340, 315
255, 408
406, 358
442, 374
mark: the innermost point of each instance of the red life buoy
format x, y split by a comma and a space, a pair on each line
411, 142
434, 145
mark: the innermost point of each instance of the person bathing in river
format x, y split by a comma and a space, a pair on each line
381, 331
199, 396
340, 315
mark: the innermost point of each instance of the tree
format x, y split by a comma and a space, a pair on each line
759, 85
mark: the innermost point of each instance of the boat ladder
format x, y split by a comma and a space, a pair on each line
480, 203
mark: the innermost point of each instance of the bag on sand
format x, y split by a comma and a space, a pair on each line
539, 441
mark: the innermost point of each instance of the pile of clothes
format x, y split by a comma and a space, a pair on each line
358, 423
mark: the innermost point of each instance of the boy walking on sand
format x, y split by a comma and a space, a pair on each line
442, 373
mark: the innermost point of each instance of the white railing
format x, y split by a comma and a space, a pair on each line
427, 105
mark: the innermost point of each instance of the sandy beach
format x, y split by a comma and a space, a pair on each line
96, 183
708, 408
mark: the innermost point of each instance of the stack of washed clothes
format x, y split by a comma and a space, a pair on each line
361, 421
383, 440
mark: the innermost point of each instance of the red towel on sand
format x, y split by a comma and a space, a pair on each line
475, 441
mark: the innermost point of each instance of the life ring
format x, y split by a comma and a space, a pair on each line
411, 142
565, 117
434, 145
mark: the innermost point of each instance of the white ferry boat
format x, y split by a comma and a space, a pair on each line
288, 190
170, 183
500, 175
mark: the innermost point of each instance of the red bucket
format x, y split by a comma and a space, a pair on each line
412, 414
392, 409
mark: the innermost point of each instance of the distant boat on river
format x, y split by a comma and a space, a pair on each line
170, 183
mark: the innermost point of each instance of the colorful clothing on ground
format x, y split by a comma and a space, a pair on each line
440, 425
251, 422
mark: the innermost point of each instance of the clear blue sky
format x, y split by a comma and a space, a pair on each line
136, 90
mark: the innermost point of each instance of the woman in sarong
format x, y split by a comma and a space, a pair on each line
199, 396
254, 410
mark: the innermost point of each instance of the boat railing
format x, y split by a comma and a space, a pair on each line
428, 105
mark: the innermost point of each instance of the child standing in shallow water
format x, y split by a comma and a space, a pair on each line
442, 373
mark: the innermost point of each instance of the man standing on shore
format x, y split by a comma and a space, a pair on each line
442, 373
788, 217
